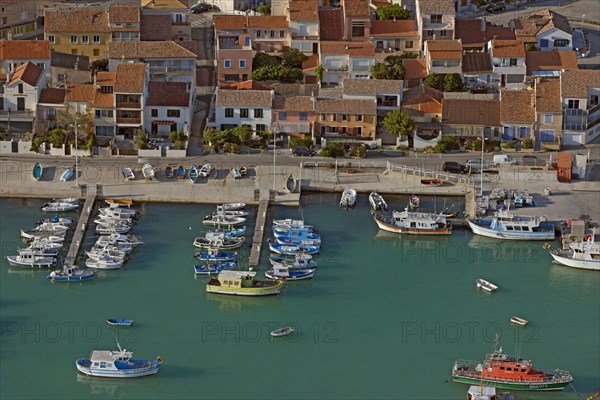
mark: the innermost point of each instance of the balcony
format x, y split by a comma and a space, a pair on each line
129, 104
575, 112
25, 115
574, 127
336, 67
129, 121
387, 103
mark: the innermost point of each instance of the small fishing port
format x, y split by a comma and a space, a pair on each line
82, 225
259, 230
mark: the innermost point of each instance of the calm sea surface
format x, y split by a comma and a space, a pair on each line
385, 316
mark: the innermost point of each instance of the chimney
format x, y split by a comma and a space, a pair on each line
434, 36
346, 46
483, 24
313, 100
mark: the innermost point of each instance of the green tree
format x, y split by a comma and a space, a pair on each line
390, 68
293, 57
56, 137
433, 81
447, 143
305, 142
141, 139
265, 9
453, 83
319, 73
243, 133
178, 139
85, 125
99, 65
277, 72
231, 148
91, 142
397, 122
263, 59
394, 11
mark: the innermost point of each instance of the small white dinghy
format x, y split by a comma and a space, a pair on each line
485, 285
348, 198
519, 321
148, 171
288, 330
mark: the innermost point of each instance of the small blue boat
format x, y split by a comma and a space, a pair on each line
300, 261
283, 272
297, 234
71, 274
119, 322
216, 256
299, 241
117, 364
180, 172
66, 175
235, 232
292, 250
193, 174
214, 268
38, 171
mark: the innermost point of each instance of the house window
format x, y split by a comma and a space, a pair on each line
544, 43
247, 40
437, 63
61, 77
323, 117
51, 39
244, 113
442, 33
232, 77
409, 44
334, 117
105, 131
96, 52
41, 65
594, 100
303, 116
258, 113
258, 33
561, 43
359, 117
359, 131
547, 118
227, 64
242, 63
154, 113
229, 113
281, 34
173, 113
573, 104
20, 88
73, 39
358, 29
430, 33
513, 62
282, 116
85, 39
344, 117
261, 127
547, 135
272, 34
436, 19
96, 39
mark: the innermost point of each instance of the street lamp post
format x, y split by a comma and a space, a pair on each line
582, 18
481, 169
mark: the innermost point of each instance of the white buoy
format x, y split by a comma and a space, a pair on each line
190, 228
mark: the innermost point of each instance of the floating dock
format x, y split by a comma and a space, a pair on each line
259, 230
82, 225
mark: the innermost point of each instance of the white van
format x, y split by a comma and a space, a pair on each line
503, 159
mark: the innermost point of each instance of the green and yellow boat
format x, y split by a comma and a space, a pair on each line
242, 283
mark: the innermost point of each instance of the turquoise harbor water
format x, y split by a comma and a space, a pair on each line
385, 316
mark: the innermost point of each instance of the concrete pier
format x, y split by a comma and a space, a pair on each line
82, 225
259, 230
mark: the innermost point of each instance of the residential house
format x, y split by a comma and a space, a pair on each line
435, 19
424, 106
104, 106
17, 52
304, 25
50, 103
508, 63
20, 93
548, 111
331, 24
443, 57
235, 106
82, 31
477, 71
471, 115
69, 68
550, 63
346, 60
268, 34
178, 10
124, 22
395, 36
79, 98
475, 33
294, 115
169, 108
18, 19
131, 92
517, 114
309, 68
155, 27
356, 20
546, 29
580, 92
167, 61
416, 72
234, 52
345, 119
387, 94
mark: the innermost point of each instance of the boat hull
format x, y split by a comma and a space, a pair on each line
580, 264
66, 175
129, 373
46, 263
412, 231
492, 233
38, 171
254, 291
83, 276
516, 385
306, 274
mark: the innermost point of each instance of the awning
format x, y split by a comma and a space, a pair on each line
162, 122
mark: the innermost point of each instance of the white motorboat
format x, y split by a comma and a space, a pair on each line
57, 220
348, 198
221, 220
54, 237
117, 364
294, 223
104, 263
41, 251
218, 240
148, 171
104, 220
205, 171
50, 227
128, 174
300, 261
119, 212
72, 200
519, 321
414, 223
282, 272
104, 246
288, 330
38, 245
233, 206
31, 259
505, 225
107, 229
583, 255
124, 239
377, 202
59, 207
485, 285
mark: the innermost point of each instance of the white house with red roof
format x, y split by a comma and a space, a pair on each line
169, 107
20, 92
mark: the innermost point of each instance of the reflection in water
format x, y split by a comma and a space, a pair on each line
100, 386
567, 278
243, 303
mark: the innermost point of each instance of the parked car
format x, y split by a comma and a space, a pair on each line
454, 167
302, 151
474, 164
530, 160
200, 8
492, 8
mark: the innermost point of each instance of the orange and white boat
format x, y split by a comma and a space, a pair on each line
119, 202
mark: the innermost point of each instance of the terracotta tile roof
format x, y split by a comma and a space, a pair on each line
345, 106
381, 3
444, 49
79, 20
130, 78
164, 4
168, 94
356, 8
398, 28
499, 32
351, 48
123, 14
293, 104
476, 63
525, 30
2, 76
423, 99
24, 49
471, 112
547, 19
469, 32
80, 93
517, 106
105, 78
575, 83
551, 60
52, 96
312, 62
241, 98
147, 49
28, 73
547, 96
155, 27
225, 22
245, 85
191, 45
415, 68
304, 10
331, 25
436, 6
104, 100
508, 48
371, 87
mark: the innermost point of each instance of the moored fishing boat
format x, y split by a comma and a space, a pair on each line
119, 322
297, 234
38, 171
39, 249
71, 274
107, 229
235, 232
233, 206
31, 259
414, 223
193, 173
242, 283
292, 250
584, 255
348, 198
288, 330
117, 364
377, 202
218, 240
104, 263
299, 261
485, 285
214, 267
59, 207
223, 220
66, 175
505, 225
282, 272
54, 237
214, 255
501, 371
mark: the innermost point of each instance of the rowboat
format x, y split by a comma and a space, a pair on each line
148, 171
128, 174
288, 330
193, 173
205, 171
119, 322
38, 171
291, 184
432, 182
169, 172
243, 170
519, 321
180, 172
485, 285
214, 268
236, 173
66, 175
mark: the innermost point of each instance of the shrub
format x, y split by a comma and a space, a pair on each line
392, 12
178, 139
433, 81
359, 151
91, 142
305, 142
141, 139
528, 143
447, 143
334, 150
264, 9
508, 145
231, 148
453, 83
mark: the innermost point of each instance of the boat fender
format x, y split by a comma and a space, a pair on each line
159, 359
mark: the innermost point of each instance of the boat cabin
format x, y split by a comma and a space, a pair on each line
234, 279
499, 365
